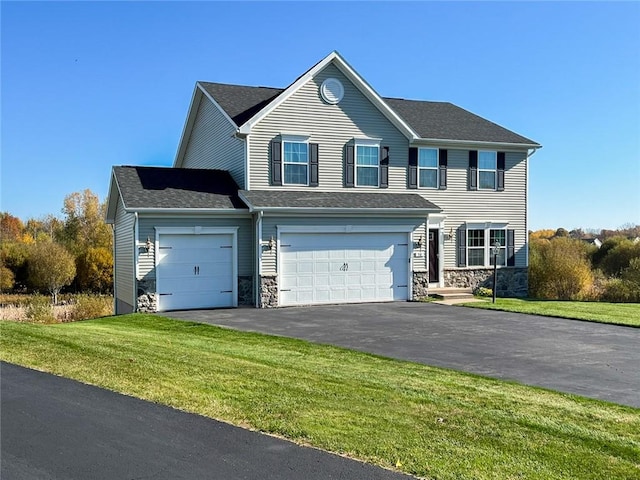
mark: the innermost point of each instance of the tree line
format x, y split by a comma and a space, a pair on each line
52, 253
572, 265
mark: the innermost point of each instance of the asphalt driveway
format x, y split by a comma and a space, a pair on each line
589, 359
55, 428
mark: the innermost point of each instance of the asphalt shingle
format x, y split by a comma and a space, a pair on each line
434, 120
349, 200
159, 187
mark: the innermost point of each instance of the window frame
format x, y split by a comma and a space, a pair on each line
436, 168
487, 248
365, 143
485, 170
294, 139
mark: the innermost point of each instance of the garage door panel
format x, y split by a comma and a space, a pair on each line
195, 271
346, 267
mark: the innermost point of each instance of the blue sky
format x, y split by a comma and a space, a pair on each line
89, 85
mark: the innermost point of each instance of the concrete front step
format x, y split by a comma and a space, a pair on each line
451, 293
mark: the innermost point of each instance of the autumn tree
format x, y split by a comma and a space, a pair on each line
11, 227
84, 224
7, 278
95, 270
50, 267
559, 269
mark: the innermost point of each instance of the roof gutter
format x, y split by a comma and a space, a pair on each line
474, 143
217, 211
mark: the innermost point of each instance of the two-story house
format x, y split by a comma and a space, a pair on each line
321, 192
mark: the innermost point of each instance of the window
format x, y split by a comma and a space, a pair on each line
475, 248
480, 251
295, 156
367, 165
428, 168
487, 170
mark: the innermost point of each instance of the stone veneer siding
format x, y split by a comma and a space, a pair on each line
245, 290
268, 291
147, 296
511, 281
420, 285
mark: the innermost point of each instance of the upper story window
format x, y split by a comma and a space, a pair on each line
367, 163
295, 162
428, 168
487, 169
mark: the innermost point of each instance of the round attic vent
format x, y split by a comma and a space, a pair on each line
332, 91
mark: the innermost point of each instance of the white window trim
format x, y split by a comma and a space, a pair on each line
436, 168
494, 170
294, 138
487, 227
361, 142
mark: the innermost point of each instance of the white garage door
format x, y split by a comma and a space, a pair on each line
195, 271
343, 267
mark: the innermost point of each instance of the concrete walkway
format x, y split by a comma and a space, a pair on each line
589, 359
59, 429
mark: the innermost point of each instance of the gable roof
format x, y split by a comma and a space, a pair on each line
408, 203
163, 188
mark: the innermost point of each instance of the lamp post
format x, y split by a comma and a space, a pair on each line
496, 251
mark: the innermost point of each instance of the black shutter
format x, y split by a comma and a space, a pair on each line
473, 170
500, 182
511, 250
276, 162
442, 162
384, 167
313, 164
349, 166
412, 180
462, 246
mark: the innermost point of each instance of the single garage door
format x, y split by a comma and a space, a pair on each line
320, 268
195, 271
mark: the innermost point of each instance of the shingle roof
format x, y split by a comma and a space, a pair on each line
265, 199
241, 102
434, 120
443, 120
158, 187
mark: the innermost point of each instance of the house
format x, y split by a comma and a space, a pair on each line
321, 192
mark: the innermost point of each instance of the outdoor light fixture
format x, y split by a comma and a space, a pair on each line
418, 244
147, 244
272, 243
449, 235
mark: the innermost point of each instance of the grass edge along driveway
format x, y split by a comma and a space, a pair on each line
431, 422
626, 314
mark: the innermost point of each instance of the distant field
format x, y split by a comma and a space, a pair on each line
616, 313
430, 422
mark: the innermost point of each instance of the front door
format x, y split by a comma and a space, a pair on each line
434, 267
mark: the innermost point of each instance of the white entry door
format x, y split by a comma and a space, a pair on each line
343, 267
195, 271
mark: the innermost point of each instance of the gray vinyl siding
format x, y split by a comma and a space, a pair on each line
124, 259
146, 229
269, 229
461, 205
212, 143
331, 127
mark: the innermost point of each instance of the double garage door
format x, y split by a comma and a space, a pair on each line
195, 271
318, 268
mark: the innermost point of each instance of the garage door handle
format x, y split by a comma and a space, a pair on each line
401, 286
163, 294
226, 291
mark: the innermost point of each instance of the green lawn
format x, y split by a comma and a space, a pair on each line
431, 422
616, 313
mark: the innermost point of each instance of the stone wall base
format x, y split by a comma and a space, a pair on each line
420, 285
147, 302
268, 291
511, 281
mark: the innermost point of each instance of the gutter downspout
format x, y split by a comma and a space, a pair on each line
135, 262
258, 280
115, 283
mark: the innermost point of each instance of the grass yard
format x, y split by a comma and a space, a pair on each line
431, 422
617, 313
